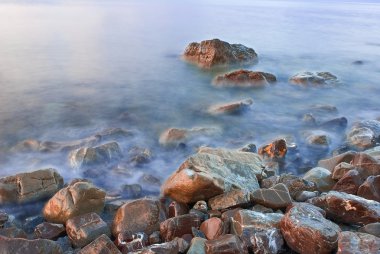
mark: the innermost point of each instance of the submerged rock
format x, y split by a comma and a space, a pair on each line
353, 242
313, 79
230, 108
23, 246
176, 136
245, 78
210, 53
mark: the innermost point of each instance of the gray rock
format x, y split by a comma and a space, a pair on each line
361, 138
322, 178
313, 79
22, 246
372, 228
305, 195
197, 246
275, 197
352, 243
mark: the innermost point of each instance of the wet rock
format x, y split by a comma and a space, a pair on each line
305, 195
214, 213
100, 245
261, 209
366, 165
212, 228
322, 178
331, 163
306, 230
140, 155
95, 156
210, 53
250, 148
347, 208
212, 172
13, 232
128, 242
334, 124
228, 244
49, 231
277, 149
267, 241
178, 226
313, 79
80, 197
131, 191
318, 140
201, 215
370, 189
361, 138
23, 246
176, 136
231, 108
155, 238
275, 197
177, 209
29, 187
352, 243
372, 228
197, 233
373, 125
247, 219
245, 78
201, 206
341, 169
197, 246
149, 180
231, 199
349, 183
3, 218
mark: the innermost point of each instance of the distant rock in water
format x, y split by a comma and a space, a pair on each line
363, 134
176, 136
314, 79
230, 108
210, 53
245, 78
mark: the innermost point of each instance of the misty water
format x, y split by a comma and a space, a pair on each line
69, 69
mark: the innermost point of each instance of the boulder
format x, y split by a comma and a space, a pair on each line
353, 242
226, 244
331, 163
210, 53
49, 231
341, 169
79, 197
177, 209
29, 187
231, 199
313, 79
306, 230
176, 136
349, 183
322, 178
212, 228
231, 107
347, 208
212, 172
101, 245
361, 138
197, 246
370, 189
366, 165
245, 79
275, 197
178, 226
336, 124
372, 228
276, 149
22, 246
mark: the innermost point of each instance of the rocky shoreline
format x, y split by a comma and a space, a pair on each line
218, 200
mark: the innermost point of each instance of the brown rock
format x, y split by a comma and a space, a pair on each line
78, 198
306, 231
231, 199
370, 189
275, 197
28, 187
23, 246
177, 209
210, 53
101, 245
212, 228
245, 78
366, 165
155, 238
352, 243
178, 226
49, 231
341, 169
313, 79
175, 136
231, 107
347, 208
141, 215
349, 183
277, 149
128, 242
13, 232
321, 177
331, 163
226, 244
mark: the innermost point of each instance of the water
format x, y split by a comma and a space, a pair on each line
69, 69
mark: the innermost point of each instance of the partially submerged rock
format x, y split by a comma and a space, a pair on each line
277, 149
176, 136
313, 79
245, 79
231, 108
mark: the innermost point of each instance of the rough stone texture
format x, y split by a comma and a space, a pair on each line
212, 172
361, 138
268, 241
176, 136
246, 219
127, 242
347, 208
178, 226
210, 53
349, 183
141, 215
13, 232
245, 78
277, 149
313, 79
341, 169
23, 246
229, 199
212, 228
372, 228
370, 189
226, 244
306, 230
95, 156
322, 178
49, 231
177, 209
78, 198
197, 246
353, 243
366, 165
305, 195
85, 228
101, 245
29, 187
275, 197
231, 107
331, 163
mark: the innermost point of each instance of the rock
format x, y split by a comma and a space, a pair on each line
212, 172
226, 244
22, 246
309, 120
197, 246
277, 149
313, 79
231, 199
373, 125
347, 208
176, 136
95, 156
210, 53
318, 140
341, 169
275, 197
3, 218
370, 189
366, 165
31, 223
13, 232
65, 244
172, 247
324, 109
127, 242
322, 178
49, 231
131, 191
247, 219
177, 209
245, 78
78, 198
101, 245
250, 148
29, 187
331, 163
149, 180
361, 138
352, 243
178, 226
306, 230
140, 155
267, 241
261, 209
85, 228
349, 183
214, 213
197, 233
335, 124
155, 238
201, 206
236, 107
212, 228
201, 215
305, 195
141, 215
372, 228
374, 152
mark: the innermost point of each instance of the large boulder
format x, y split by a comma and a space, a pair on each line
212, 172
235, 107
245, 78
313, 79
210, 53
353, 243
23, 246
31, 186
78, 198
366, 165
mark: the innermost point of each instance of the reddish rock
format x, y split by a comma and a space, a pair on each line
349, 183
128, 242
178, 226
176, 136
13, 232
370, 189
226, 244
306, 231
230, 199
177, 209
23, 246
341, 169
101, 245
331, 163
245, 78
366, 165
212, 228
49, 231
353, 243
231, 107
313, 79
275, 197
277, 149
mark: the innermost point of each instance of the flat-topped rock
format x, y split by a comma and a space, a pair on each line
23, 246
245, 79
353, 243
275, 197
235, 107
313, 79
210, 53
